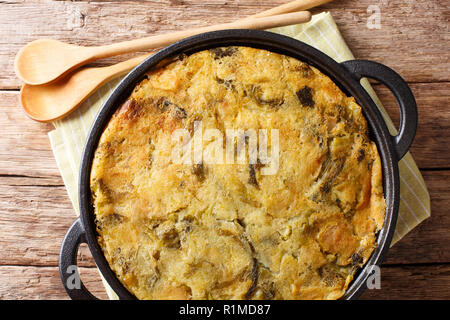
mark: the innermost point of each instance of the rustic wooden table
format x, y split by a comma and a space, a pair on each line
35, 210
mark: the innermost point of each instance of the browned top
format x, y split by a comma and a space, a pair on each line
36, 210
217, 230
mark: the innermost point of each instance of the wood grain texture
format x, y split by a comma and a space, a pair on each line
35, 216
429, 242
431, 147
25, 142
413, 282
25, 147
35, 211
417, 29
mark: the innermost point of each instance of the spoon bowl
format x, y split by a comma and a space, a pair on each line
52, 101
44, 60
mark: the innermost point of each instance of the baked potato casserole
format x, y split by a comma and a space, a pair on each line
227, 231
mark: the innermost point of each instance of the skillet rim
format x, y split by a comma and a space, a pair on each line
340, 75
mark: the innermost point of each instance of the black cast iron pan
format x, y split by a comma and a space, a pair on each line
346, 75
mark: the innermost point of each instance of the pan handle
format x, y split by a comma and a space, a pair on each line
68, 269
401, 91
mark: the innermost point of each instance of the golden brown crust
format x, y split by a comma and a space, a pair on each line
221, 231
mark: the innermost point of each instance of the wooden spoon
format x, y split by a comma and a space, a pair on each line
296, 5
43, 61
52, 101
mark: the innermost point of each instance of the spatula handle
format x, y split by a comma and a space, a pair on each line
166, 39
296, 5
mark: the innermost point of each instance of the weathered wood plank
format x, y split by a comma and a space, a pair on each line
26, 148
413, 282
430, 241
413, 37
35, 211
35, 216
26, 151
431, 147
42, 283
